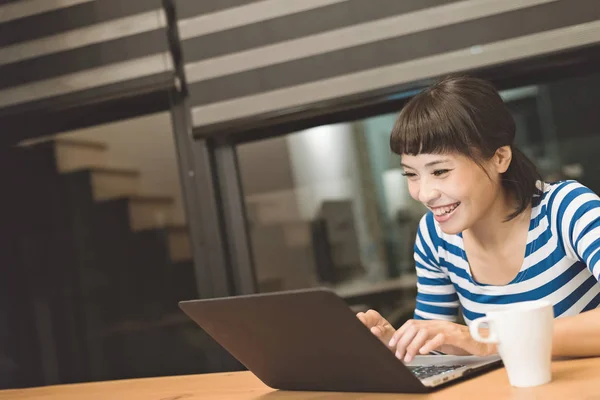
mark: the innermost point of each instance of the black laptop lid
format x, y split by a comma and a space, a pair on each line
302, 340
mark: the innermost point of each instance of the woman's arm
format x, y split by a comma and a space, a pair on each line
575, 336
578, 219
578, 335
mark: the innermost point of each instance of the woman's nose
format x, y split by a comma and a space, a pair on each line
427, 191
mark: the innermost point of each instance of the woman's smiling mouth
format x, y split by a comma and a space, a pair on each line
444, 213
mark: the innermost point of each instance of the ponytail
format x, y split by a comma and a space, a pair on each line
521, 179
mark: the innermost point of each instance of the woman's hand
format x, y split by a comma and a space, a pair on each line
422, 337
378, 325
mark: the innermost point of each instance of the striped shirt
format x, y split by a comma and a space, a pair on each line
561, 262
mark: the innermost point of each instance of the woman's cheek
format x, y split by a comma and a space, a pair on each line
413, 189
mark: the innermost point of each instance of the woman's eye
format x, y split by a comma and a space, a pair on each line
409, 174
440, 172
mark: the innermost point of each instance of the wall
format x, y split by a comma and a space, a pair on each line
286, 179
322, 160
325, 167
265, 166
576, 120
146, 144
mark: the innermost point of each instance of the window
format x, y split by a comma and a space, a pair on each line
328, 206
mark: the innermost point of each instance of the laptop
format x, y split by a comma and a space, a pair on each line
310, 340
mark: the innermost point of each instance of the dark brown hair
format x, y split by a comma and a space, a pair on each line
465, 115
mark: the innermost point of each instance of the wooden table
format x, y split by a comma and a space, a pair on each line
573, 379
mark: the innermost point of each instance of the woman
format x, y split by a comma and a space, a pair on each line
495, 234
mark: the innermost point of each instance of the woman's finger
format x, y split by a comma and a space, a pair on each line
437, 341
405, 340
413, 348
387, 331
361, 317
372, 318
376, 324
378, 332
398, 334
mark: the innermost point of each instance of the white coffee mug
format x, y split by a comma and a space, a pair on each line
523, 333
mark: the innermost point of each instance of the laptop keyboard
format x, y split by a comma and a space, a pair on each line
422, 371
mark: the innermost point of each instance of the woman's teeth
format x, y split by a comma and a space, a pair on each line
445, 210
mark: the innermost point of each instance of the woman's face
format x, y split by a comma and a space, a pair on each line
453, 186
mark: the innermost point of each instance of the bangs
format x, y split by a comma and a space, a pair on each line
466, 116
433, 125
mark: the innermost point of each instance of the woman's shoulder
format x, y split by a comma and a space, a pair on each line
564, 198
555, 193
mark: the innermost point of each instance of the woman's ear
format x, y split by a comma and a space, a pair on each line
502, 159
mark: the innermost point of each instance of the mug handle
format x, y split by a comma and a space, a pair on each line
474, 330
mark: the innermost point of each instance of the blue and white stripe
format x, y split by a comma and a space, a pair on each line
560, 265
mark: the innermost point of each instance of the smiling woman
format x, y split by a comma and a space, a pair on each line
467, 117
496, 234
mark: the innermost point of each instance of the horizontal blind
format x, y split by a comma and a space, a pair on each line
248, 58
54, 49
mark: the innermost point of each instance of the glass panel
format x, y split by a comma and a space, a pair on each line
95, 255
559, 129
328, 205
